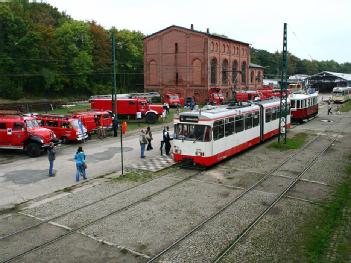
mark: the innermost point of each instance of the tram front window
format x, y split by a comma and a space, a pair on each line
192, 132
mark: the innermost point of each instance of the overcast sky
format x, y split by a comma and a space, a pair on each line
317, 29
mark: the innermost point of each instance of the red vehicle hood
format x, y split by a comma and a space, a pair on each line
44, 133
156, 107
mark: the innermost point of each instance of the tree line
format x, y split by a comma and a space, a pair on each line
46, 53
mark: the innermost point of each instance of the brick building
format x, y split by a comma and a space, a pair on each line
189, 62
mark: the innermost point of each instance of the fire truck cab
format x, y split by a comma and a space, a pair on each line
89, 119
215, 96
173, 100
24, 133
66, 128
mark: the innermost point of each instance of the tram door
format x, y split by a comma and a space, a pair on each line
262, 121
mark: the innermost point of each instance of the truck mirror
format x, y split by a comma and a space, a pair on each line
9, 131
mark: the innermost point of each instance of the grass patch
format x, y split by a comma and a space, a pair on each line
346, 107
320, 227
132, 176
295, 142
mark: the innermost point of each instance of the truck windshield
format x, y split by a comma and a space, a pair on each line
32, 124
192, 132
174, 97
75, 124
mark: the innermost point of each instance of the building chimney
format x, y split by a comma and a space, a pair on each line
208, 31
192, 27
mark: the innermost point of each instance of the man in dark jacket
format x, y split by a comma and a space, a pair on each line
51, 157
167, 140
115, 125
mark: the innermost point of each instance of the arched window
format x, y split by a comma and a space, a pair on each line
234, 71
196, 67
243, 72
252, 77
214, 71
153, 72
216, 46
225, 72
228, 49
212, 46
176, 48
259, 77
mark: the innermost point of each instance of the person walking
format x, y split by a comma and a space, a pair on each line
80, 163
329, 108
143, 142
115, 125
149, 139
51, 157
167, 140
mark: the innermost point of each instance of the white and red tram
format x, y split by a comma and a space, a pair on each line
206, 137
303, 105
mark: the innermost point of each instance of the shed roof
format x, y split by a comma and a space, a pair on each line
330, 73
199, 32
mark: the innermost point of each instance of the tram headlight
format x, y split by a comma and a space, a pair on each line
177, 150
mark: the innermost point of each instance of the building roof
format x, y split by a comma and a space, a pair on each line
335, 74
252, 65
199, 32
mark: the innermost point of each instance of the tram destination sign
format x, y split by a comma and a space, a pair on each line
188, 118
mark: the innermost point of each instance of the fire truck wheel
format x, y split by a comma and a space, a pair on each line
151, 117
33, 149
64, 140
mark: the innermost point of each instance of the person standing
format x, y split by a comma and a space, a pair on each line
329, 108
149, 138
163, 141
51, 157
115, 125
143, 142
167, 140
80, 163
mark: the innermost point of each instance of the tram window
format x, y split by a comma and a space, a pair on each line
292, 104
268, 115
298, 104
274, 114
256, 119
218, 129
229, 126
303, 104
239, 123
248, 121
192, 132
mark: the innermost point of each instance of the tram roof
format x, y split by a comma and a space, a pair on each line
302, 96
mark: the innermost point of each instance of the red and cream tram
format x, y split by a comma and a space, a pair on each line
206, 137
303, 106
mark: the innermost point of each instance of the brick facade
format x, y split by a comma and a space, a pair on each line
190, 62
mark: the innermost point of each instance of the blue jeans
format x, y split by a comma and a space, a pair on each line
142, 150
80, 171
51, 167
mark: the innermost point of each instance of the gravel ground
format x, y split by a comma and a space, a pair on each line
206, 243
272, 240
157, 222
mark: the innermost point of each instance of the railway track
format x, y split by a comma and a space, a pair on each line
75, 230
265, 177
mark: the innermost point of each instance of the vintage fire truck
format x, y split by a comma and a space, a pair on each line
173, 100
215, 96
129, 105
24, 133
92, 119
66, 128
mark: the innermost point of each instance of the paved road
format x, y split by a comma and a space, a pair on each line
23, 178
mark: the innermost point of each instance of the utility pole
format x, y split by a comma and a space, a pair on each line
114, 95
283, 113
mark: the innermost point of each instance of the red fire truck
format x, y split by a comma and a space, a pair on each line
24, 133
215, 96
173, 100
129, 105
90, 119
65, 128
